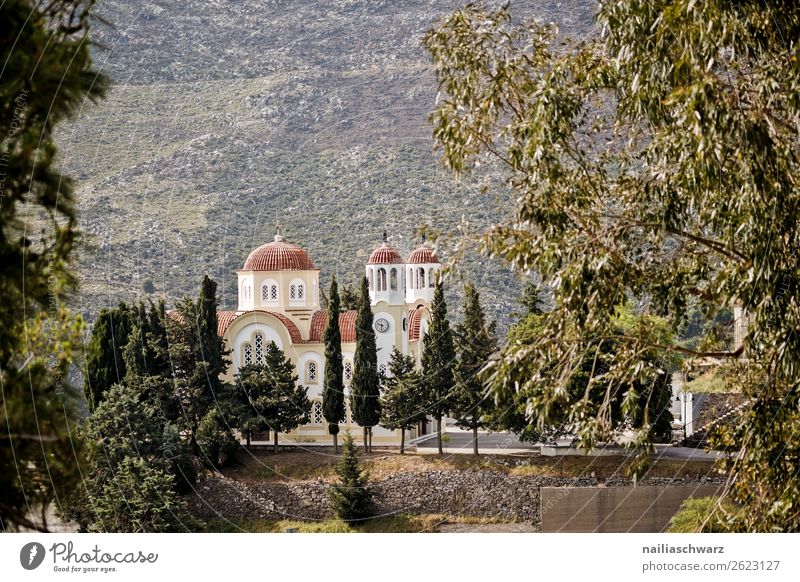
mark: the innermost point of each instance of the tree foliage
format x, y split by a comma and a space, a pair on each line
656, 160
475, 343
365, 386
402, 403
38, 233
105, 361
438, 359
333, 408
351, 499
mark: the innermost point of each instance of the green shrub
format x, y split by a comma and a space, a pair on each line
351, 500
702, 514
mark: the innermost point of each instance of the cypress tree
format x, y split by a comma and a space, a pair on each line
401, 403
365, 387
198, 356
105, 361
333, 388
475, 343
351, 500
438, 356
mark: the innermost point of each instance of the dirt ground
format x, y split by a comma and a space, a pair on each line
320, 464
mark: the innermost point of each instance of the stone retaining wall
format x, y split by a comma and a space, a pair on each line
475, 493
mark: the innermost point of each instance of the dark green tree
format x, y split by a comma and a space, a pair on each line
198, 358
141, 498
47, 76
333, 390
350, 497
438, 359
147, 350
349, 298
216, 440
475, 343
401, 400
105, 362
284, 403
365, 386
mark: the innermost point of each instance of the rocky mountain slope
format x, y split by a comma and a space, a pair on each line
227, 117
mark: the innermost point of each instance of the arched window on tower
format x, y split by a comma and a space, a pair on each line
258, 340
421, 278
247, 354
431, 277
393, 280
269, 292
371, 279
381, 279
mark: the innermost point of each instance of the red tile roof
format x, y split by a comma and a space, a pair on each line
415, 315
347, 325
278, 255
385, 255
226, 318
422, 255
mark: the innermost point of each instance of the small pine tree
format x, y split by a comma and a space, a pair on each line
475, 342
351, 499
333, 390
401, 401
365, 387
438, 357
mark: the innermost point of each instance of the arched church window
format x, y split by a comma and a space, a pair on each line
371, 278
382, 370
311, 372
301, 292
381, 279
269, 292
348, 371
259, 342
292, 292
247, 354
273, 292
421, 278
316, 412
393, 280
431, 278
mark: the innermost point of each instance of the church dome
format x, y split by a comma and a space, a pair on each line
278, 255
422, 255
385, 255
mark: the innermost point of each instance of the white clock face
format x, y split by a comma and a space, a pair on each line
381, 325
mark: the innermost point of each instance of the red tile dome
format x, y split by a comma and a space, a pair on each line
422, 255
278, 255
385, 255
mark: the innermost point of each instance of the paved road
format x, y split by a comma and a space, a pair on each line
507, 444
494, 442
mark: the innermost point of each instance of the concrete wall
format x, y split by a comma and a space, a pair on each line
615, 509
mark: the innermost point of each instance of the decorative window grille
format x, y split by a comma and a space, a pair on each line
311, 373
248, 354
316, 413
301, 291
348, 371
293, 292
382, 369
273, 292
259, 341
265, 293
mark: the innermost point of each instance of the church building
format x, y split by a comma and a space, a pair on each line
279, 301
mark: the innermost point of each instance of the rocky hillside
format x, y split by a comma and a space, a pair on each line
229, 116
